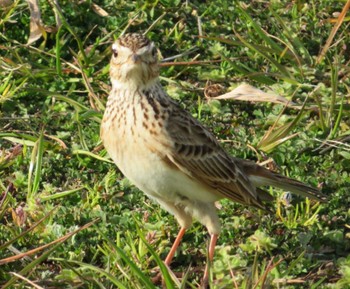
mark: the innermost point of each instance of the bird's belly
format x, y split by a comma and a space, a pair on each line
148, 171
160, 181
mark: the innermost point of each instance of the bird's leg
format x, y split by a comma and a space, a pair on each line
176, 244
171, 254
212, 244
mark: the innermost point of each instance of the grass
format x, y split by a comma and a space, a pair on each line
68, 218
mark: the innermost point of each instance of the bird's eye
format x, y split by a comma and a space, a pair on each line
114, 51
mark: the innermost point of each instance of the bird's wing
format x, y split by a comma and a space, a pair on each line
197, 153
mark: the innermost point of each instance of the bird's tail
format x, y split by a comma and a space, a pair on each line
260, 176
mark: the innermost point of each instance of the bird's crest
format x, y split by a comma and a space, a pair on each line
133, 41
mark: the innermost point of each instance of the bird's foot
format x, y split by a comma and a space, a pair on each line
157, 279
204, 284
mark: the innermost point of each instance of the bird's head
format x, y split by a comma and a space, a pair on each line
134, 61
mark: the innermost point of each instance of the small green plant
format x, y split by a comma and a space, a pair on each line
345, 273
303, 214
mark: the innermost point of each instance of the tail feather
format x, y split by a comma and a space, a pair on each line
260, 176
289, 184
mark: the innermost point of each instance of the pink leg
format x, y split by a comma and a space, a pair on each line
212, 244
176, 244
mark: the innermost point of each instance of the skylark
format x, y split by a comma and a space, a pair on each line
170, 155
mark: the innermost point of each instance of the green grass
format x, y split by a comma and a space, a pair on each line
84, 225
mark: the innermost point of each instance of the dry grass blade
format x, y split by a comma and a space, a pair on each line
271, 265
38, 249
59, 141
155, 23
54, 3
246, 92
27, 280
327, 145
334, 31
93, 98
284, 281
184, 63
4, 195
180, 55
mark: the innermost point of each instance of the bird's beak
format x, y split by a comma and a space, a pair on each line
136, 58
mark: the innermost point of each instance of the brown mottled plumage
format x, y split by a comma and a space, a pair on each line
171, 156
133, 41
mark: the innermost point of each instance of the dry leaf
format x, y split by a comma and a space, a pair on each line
19, 216
98, 10
213, 90
36, 29
246, 92
5, 3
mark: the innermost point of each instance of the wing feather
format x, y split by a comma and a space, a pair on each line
197, 153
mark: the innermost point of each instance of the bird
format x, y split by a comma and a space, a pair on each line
169, 155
